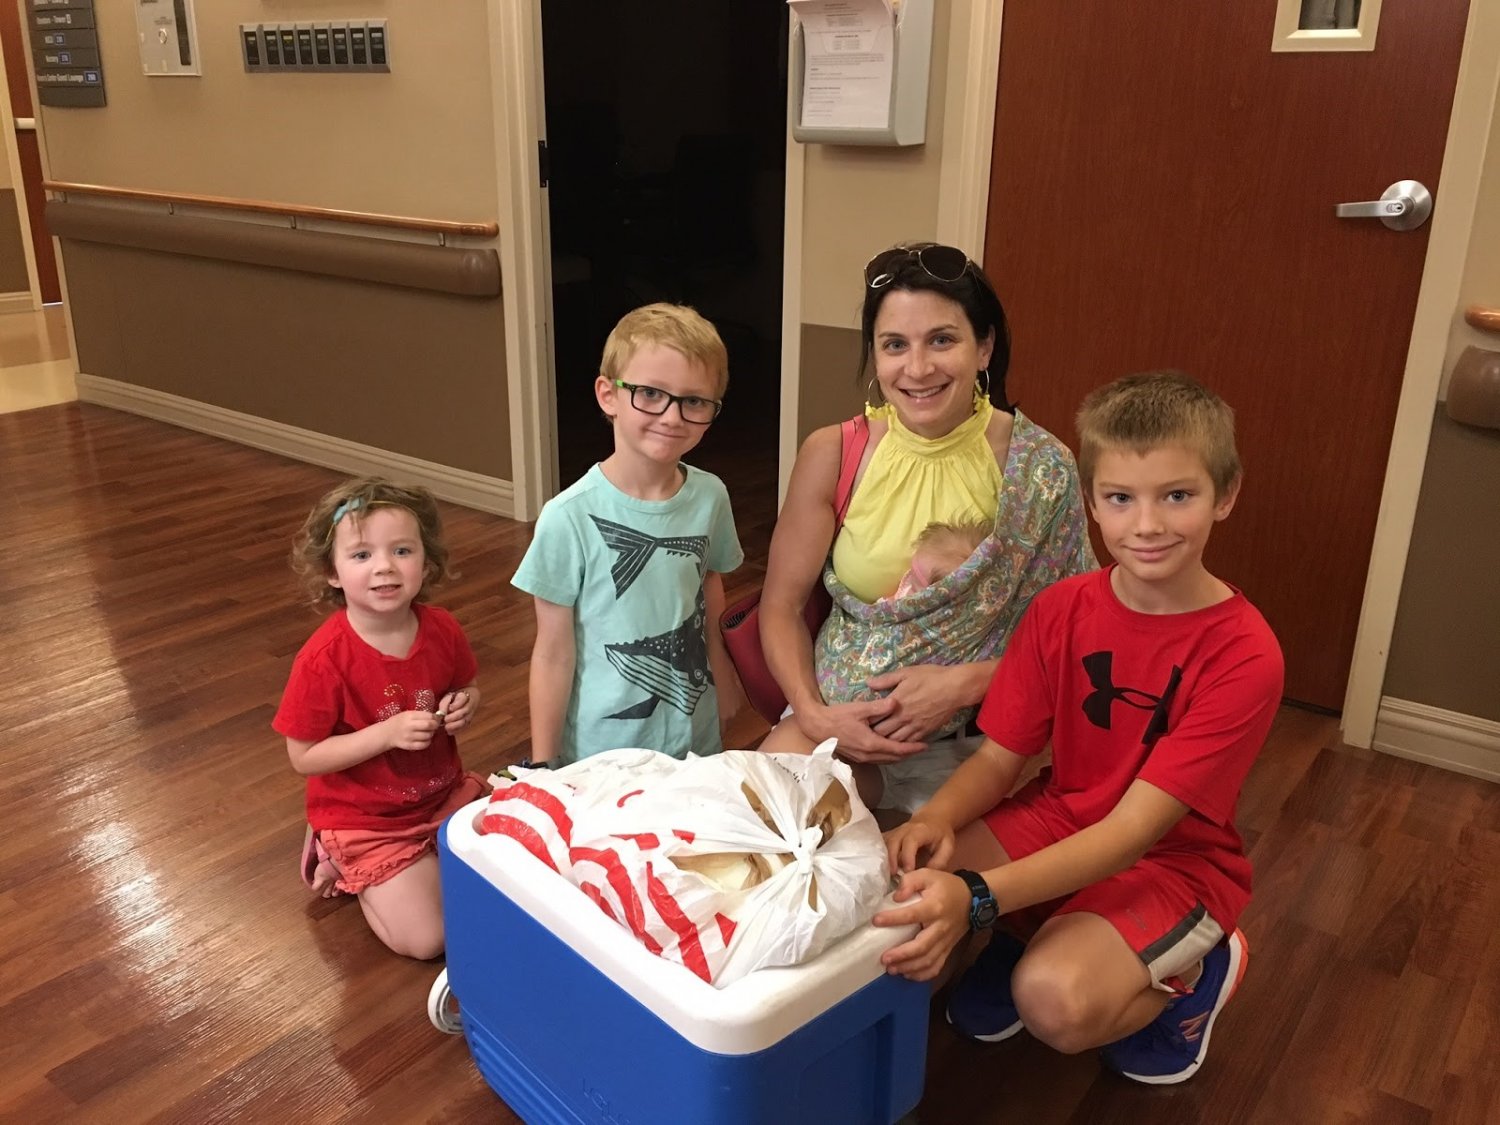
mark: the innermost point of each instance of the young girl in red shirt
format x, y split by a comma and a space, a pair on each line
375, 698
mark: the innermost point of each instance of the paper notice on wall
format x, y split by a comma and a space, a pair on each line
848, 62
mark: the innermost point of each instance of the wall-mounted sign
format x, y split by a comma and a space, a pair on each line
65, 51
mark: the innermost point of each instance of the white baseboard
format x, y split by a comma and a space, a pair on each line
472, 490
1456, 742
17, 302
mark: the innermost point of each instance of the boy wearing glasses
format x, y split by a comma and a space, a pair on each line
624, 565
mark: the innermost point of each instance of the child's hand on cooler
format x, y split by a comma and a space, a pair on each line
919, 843
455, 710
412, 730
941, 908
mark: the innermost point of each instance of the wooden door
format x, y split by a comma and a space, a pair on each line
1163, 194
18, 80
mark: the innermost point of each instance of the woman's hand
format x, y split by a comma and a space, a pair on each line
923, 698
943, 913
852, 724
919, 843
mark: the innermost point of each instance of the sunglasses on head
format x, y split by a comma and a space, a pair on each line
942, 263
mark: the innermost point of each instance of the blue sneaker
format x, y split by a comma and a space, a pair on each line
1171, 1047
980, 1006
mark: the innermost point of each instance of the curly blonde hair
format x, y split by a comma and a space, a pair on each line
312, 549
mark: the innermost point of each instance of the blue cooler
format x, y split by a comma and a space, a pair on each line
571, 1020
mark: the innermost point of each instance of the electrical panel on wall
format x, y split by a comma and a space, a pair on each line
345, 45
169, 37
65, 50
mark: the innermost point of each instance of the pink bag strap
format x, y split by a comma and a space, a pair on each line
854, 435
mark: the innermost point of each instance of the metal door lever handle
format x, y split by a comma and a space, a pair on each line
1373, 209
1404, 206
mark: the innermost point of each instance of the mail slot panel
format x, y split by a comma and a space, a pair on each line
322, 48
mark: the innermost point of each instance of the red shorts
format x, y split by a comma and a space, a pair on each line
1150, 904
366, 857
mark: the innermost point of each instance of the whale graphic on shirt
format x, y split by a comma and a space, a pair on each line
670, 667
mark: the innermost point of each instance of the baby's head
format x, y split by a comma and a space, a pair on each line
1158, 409
312, 550
942, 548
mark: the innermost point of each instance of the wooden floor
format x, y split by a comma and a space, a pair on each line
160, 959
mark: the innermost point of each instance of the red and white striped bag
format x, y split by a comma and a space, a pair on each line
540, 808
636, 885
724, 864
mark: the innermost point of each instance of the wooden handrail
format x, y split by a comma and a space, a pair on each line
1483, 316
296, 211
466, 271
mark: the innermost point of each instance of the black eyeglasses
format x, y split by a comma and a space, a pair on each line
942, 263
653, 400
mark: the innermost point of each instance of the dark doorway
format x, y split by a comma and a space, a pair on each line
666, 138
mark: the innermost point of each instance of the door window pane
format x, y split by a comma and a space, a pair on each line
1327, 15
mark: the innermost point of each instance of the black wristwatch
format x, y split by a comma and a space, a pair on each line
983, 910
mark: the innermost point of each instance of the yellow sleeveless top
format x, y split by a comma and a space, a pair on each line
910, 482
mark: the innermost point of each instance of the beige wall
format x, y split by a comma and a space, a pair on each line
408, 371
830, 390
857, 200
1445, 651
860, 199
416, 141
401, 370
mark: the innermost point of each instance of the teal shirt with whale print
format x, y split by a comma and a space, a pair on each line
632, 571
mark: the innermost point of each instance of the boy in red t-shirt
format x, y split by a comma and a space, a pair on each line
1155, 683
372, 705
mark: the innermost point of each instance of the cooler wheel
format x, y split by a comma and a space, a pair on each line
442, 1008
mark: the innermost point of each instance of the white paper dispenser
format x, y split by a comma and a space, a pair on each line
859, 71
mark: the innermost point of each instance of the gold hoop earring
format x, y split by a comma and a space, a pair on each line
873, 397
981, 393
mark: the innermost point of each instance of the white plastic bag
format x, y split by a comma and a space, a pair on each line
664, 862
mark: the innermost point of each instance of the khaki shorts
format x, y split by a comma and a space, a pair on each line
911, 783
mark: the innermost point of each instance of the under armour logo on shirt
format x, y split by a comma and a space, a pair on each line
1098, 703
